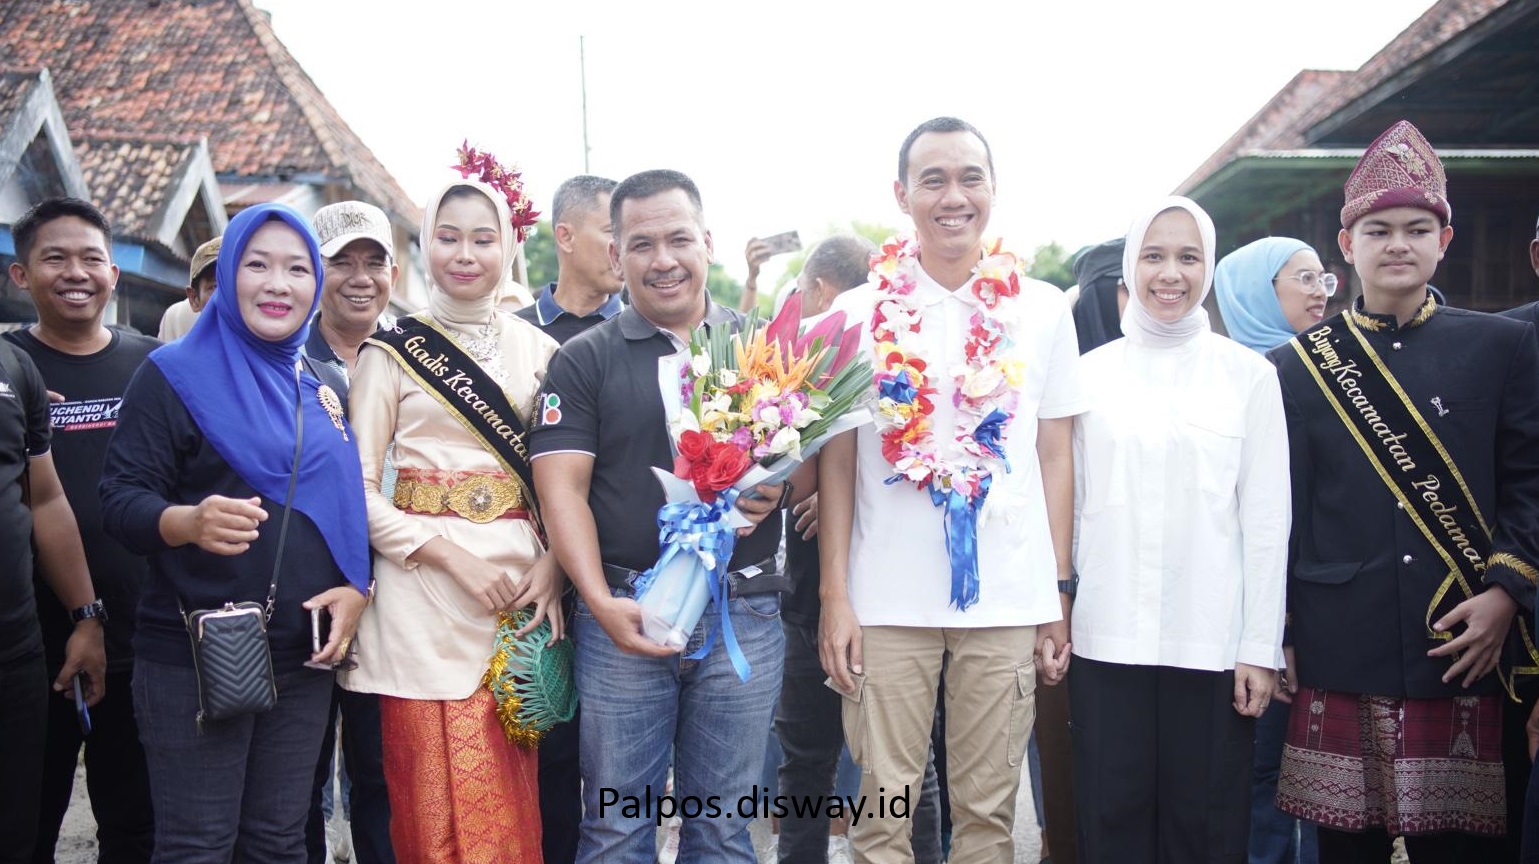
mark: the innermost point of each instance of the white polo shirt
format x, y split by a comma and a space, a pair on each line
899, 574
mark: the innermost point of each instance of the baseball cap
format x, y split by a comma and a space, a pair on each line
203, 259
337, 225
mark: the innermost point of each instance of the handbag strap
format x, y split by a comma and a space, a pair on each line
288, 501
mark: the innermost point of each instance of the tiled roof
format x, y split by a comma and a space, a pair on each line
1274, 122
1313, 96
15, 84
183, 70
132, 176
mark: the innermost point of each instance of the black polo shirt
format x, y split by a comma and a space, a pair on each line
24, 434
547, 314
602, 397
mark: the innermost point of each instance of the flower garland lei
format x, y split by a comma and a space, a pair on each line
956, 471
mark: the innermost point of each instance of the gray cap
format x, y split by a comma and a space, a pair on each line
337, 225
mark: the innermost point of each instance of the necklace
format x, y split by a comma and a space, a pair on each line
485, 347
958, 468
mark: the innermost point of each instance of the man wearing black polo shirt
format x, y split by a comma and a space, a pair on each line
600, 431
62, 254
586, 291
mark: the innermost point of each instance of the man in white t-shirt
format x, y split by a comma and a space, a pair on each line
960, 559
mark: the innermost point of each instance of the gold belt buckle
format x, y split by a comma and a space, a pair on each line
481, 499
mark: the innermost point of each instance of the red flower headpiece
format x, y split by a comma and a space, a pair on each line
508, 181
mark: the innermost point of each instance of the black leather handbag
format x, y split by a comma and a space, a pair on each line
230, 653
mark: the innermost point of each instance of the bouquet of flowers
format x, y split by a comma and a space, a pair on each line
745, 408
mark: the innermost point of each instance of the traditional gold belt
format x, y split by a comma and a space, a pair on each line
479, 496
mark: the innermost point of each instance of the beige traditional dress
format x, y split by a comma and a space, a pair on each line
460, 791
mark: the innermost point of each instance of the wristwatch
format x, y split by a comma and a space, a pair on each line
1069, 586
94, 609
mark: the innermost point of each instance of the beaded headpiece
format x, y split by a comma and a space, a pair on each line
1399, 169
508, 181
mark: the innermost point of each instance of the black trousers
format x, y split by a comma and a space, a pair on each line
363, 755
1161, 765
1373, 847
117, 776
24, 694
560, 792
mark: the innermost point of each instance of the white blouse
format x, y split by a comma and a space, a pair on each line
1181, 507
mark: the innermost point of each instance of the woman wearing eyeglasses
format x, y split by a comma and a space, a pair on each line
1268, 291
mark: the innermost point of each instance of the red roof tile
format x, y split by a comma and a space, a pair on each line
183, 70
132, 176
1313, 96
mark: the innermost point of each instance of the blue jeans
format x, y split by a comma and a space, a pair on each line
241, 785
1275, 837
636, 710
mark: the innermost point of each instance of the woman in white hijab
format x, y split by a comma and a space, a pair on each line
1181, 532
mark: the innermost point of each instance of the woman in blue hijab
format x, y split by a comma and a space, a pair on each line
196, 479
1268, 291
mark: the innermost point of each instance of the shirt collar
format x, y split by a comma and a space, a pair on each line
1375, 323
635, 326
930, 292
547, 309
316, 345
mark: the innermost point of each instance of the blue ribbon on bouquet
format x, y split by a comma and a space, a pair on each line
961, 514
702, 530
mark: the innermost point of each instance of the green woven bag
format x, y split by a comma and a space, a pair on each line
531, 679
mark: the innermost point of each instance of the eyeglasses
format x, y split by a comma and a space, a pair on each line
347, 267
1310, 280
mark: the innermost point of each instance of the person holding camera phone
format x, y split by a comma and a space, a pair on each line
214, 472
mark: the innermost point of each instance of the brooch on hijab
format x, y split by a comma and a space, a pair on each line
333, 406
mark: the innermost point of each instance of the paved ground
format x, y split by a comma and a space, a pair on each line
77, 841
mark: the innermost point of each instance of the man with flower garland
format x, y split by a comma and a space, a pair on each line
600, 430
946, 525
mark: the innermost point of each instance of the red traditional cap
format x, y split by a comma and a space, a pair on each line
1399, 169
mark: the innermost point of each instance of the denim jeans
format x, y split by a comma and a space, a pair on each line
1275, 837
116, 776
635, 710
238, 786
24, 695
811, 736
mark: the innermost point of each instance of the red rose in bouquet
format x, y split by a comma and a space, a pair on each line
709, 464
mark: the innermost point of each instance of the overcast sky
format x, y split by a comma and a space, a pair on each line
789, 114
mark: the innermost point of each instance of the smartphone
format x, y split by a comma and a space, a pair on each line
82, 713
786, 241
320, 629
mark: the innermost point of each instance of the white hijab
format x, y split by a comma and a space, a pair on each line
466, 316
1138, 324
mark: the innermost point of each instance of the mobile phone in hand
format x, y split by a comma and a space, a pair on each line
82, 713
320, 629
786, 241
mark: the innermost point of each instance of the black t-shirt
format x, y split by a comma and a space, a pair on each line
602, 397
92, 387
23, 435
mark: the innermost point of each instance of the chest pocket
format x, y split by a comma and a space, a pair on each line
1209, 445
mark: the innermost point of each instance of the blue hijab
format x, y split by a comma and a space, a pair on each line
239, 389
1246, 296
